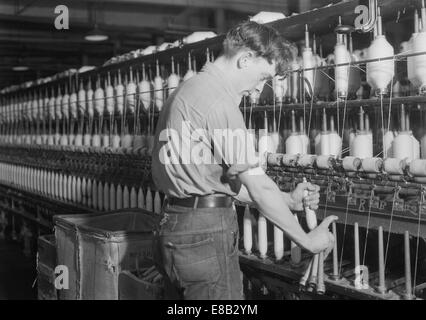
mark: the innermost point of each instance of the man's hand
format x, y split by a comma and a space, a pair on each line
321, 238
298, 199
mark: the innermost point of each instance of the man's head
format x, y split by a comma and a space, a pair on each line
258, 53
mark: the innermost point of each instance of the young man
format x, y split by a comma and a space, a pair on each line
203, 158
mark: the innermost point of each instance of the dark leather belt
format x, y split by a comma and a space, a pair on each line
210, 201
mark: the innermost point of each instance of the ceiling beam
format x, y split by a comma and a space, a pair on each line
246, 6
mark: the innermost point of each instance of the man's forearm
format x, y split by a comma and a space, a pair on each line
273, 205
289, 200
244, 197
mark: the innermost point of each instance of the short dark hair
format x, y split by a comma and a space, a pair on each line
265, 41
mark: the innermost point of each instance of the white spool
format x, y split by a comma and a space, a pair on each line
133, 198
131, 93
416, 147
74, 189
126, 197
69, 188
65, 104
380, 73
278, 243
90, 100
84, 191
141, 199
308, 63
402, 146
317, 143
116, 141
172, 80
262, 236
109, 94
423, 147
293, 144
341, 56
294, 80
278, 85
325, 143
99, 102
119, 95
112, 197
127, 141
362, 146
100, 203
96, 140
105, 197
139, 142
248, 231
73, 104
119, 197
105, 140
58, 105
78, 197
419, 45
190, 73
418, 168
394, 166
144, 90
149, 201
89, 193
81, 99
61, 187
387, 143
157, 203
296, 251
351, 164
372, 165
94, 194
409, 50
78, 140
87, 140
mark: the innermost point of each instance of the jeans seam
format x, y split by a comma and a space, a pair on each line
225, 252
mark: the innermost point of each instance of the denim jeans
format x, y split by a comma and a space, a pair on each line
199, 252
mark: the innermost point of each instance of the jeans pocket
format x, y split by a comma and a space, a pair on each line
196, 261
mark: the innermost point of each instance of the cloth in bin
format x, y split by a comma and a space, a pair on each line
96, 247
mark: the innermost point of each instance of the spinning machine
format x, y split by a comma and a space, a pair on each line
345, 122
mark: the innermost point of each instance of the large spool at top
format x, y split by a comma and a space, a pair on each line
419, 45
341, 56
380, 73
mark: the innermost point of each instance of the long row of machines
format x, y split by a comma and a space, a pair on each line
347, 122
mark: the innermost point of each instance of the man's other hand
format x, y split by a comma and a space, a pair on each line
298, 199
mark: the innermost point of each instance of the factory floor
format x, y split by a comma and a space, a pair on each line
17, 273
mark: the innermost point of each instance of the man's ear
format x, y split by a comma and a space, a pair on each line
245, 59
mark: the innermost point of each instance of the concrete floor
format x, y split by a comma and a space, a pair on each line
17, 273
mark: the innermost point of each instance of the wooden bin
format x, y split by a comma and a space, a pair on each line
97, 247
46, 263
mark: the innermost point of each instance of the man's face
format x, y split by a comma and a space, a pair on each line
255, 71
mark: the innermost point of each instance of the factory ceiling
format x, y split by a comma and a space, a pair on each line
28, 35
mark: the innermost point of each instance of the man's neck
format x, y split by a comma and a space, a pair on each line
228, 67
